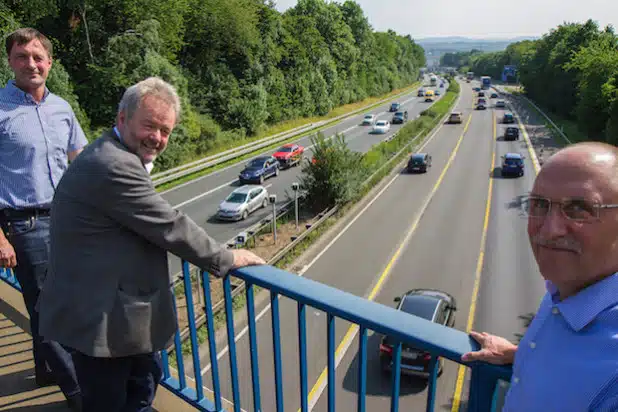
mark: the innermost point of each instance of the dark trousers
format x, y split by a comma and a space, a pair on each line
29, 236
126, 384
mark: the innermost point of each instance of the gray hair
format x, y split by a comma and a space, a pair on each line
152, 86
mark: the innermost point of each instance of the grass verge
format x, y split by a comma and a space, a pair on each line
411, 135
368, 104
568, 127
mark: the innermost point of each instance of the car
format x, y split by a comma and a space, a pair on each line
400, 117
429, 95
512, 165
481, 94
369, 119
289, 154
442, 85
500, 103
508, 118
381, 127
259, 169
477, 89
437, 92
430, 304
494, 95
511, 133
421, 93
242, 202
419, 162
455, 117
394, 107
481, 104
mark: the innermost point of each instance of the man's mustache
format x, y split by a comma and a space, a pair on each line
562, 243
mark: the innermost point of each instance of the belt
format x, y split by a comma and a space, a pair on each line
23, 213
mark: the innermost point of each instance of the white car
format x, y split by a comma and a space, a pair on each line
500, 103
243, 201
369, 119
382, 126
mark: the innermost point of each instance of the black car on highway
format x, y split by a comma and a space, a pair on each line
511, 133
430, 304
419, 162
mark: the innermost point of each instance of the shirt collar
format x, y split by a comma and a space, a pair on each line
147, 166
22, 95
582, 308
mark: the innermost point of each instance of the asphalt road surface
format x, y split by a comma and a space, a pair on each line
200, 198
438, 219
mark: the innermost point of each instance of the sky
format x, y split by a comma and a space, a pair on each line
479, 18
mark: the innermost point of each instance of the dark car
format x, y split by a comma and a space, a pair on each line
394, 107
481, 94
513, 165
494, 95
432, 305
259, 169
421, 93
400, 117
437, 92
477, 89
419, 162
511, 133
508, 118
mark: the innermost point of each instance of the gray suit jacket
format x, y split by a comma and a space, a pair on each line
107, 293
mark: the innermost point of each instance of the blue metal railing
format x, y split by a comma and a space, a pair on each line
438, 340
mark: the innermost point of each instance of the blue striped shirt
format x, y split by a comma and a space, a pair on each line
568, 358
35, 139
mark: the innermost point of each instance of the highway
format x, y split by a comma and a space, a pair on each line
200, 198
420, 231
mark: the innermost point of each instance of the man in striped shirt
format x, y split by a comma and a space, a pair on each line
568, 358
39, 134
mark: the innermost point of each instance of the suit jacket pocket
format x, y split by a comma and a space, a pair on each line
131, 326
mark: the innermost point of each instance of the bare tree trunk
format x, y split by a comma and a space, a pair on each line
82, 12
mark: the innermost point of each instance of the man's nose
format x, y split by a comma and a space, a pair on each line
554, 224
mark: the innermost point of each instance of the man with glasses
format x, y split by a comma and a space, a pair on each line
568, 358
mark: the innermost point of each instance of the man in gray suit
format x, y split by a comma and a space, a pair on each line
107, 295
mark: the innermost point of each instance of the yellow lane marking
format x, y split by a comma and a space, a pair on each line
320, 384
477, 277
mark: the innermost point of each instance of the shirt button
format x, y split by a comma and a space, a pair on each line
555, 311
532, 345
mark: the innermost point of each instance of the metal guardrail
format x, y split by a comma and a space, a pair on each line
253, 147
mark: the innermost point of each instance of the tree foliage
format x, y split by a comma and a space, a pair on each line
238, 64
334, 175
572, 71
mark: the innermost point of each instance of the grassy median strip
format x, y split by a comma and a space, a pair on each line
369, 104
412, 134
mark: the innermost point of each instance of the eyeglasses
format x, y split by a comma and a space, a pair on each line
580, 210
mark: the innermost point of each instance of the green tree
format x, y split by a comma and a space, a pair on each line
334, 175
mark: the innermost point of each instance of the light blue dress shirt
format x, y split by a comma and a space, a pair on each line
568, 358
35, 139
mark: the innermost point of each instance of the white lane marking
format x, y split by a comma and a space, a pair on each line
244, 331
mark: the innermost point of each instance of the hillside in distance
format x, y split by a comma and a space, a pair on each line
437, 46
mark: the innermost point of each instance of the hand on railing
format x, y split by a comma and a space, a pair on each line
494, 349
7, 253
243, 257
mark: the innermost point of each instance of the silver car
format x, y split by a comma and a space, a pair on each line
243, 201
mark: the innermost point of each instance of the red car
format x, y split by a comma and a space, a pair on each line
289, 154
